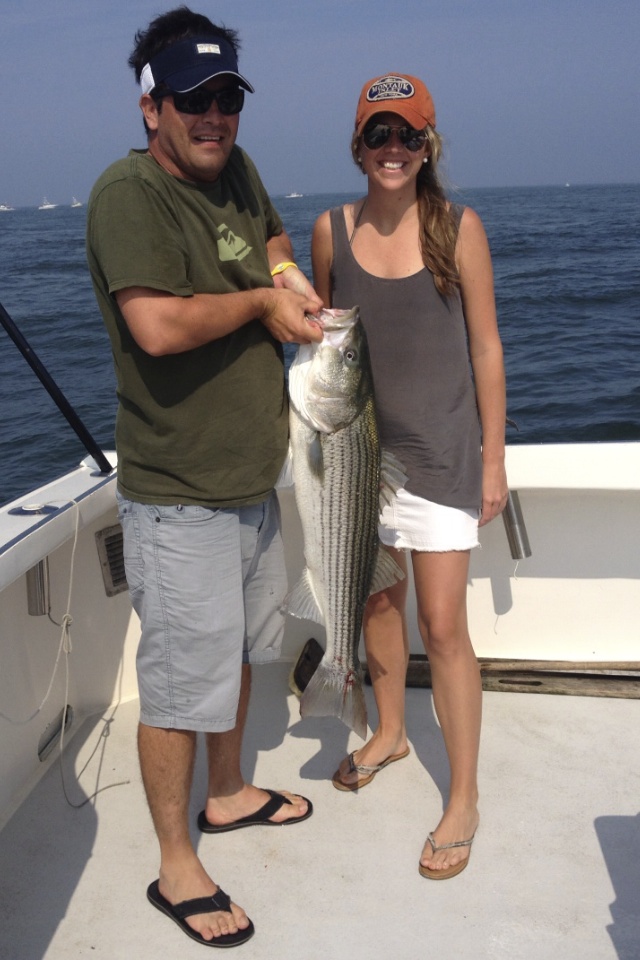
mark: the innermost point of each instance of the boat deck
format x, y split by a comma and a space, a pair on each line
554, 872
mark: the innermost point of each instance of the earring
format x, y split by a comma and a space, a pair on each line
425, 159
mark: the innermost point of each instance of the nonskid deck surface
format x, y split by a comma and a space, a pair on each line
554, 871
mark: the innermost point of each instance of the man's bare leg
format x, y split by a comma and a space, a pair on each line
167, 761
229, 798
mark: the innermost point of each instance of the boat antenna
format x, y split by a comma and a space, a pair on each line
54, 392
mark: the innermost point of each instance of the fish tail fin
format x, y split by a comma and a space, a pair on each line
336, 693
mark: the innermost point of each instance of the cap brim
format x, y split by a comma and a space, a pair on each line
412, 117
194, 77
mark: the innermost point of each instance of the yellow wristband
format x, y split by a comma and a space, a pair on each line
281, 267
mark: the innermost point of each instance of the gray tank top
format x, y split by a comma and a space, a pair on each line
425, 397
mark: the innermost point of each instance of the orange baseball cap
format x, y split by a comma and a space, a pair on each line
396, 93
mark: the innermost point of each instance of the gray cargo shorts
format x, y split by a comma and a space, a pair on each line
208, 586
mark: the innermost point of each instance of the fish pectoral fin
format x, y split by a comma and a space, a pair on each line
315, 456
392, 477
302, 601
286, 474
386, 572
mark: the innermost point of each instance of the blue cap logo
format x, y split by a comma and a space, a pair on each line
390, 88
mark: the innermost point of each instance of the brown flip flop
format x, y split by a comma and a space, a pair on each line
369, 772
449, 872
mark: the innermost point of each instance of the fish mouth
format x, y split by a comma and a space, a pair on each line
336, 324
337, 319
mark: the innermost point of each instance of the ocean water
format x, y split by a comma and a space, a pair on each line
567, 276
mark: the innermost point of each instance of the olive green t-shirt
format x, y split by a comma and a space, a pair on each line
207, 426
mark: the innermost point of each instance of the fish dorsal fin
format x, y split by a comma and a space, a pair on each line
386, 572
302, 601
392, 477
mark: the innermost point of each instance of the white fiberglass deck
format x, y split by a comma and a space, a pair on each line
554, 872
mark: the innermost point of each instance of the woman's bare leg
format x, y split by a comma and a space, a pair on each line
441, 590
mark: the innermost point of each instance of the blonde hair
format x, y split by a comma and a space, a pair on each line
438, 228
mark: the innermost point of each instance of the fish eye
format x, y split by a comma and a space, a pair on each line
351, 356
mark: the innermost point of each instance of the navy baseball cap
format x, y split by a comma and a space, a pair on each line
188, 63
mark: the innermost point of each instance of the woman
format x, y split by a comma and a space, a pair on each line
420, 269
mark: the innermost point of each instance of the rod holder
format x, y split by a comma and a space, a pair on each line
38, 593
515, 527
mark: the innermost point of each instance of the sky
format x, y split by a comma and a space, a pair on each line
527, 92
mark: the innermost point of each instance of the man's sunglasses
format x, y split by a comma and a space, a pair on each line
230, 100
377, 134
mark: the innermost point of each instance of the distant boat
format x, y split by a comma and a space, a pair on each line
47, 205
5, 207
75, 202
289, 196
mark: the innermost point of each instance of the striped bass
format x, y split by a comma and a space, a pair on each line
337, 472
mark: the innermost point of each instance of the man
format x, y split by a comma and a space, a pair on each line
182, 242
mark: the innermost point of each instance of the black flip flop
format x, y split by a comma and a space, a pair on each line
259, 818
189, 908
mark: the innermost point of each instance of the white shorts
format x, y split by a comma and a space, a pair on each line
412, 523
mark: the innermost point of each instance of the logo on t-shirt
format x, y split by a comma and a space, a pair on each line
230, 246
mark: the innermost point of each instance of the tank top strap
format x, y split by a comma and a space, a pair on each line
339, 236
457, 209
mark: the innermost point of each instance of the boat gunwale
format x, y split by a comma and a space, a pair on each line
92, 492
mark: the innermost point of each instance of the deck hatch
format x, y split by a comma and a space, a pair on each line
110, 552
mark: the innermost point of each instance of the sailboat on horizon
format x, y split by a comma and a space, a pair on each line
47, 205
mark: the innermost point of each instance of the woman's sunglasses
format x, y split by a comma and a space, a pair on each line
377, 134
230, 100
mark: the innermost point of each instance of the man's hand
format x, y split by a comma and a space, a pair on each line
286, 315
294, 279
